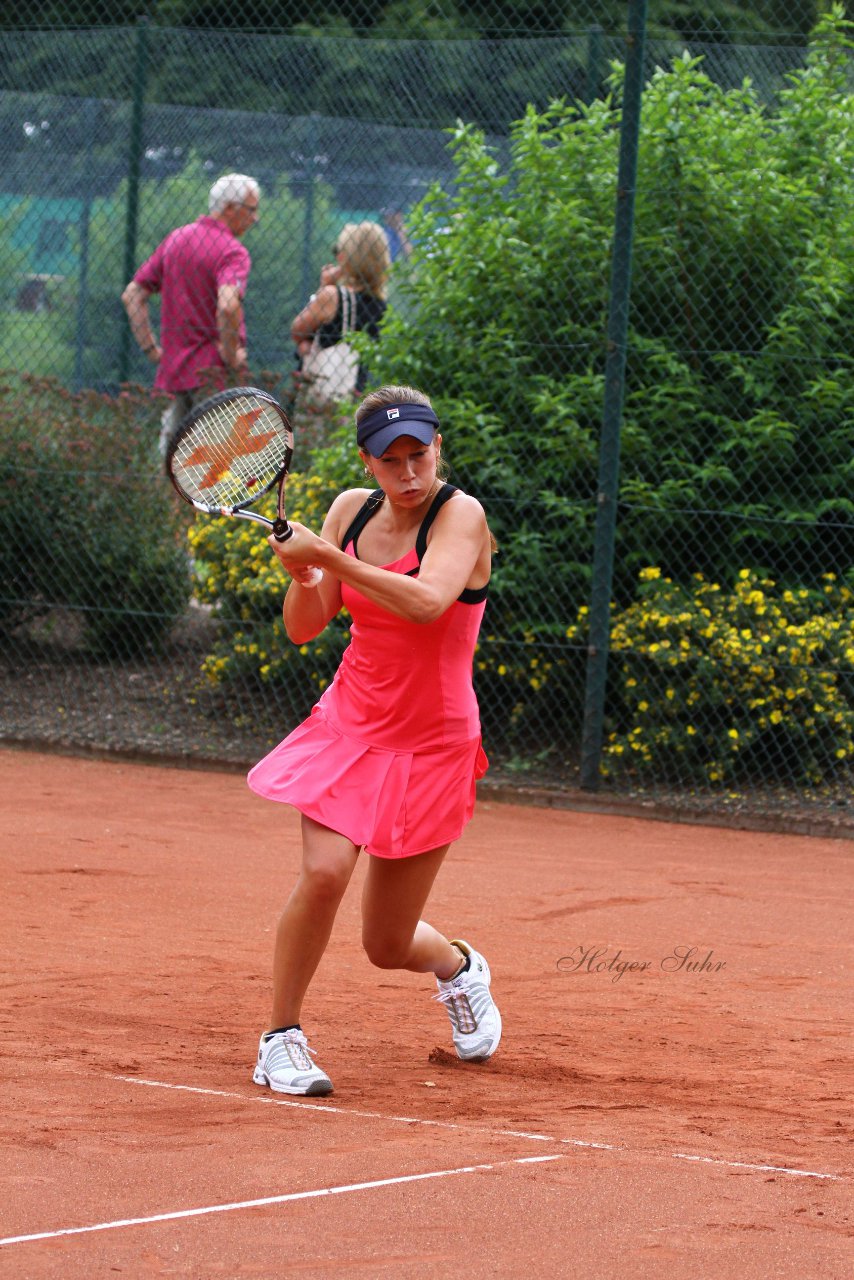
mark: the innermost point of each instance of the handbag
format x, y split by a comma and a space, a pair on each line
329, 373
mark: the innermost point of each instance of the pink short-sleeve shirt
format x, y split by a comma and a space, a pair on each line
187, 269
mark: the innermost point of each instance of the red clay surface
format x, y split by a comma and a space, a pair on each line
625, 1127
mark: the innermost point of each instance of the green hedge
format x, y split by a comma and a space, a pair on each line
87, 520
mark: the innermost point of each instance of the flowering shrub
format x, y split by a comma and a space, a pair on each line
240, 577
529, 684
756, 680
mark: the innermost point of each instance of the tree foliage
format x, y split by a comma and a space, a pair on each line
716, 19
740, 394
739, 413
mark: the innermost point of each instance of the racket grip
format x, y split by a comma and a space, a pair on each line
281, 532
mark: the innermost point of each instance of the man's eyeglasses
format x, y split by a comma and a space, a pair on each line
250, 208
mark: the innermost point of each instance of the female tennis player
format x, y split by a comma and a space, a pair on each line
388, 759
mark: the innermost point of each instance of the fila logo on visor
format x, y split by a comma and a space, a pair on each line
392, 413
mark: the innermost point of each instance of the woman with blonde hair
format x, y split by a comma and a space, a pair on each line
351, 298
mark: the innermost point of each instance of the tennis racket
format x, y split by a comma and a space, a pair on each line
229, 451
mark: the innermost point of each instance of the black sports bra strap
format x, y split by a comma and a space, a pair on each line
371, 506
361, 518
470, 595
447, 491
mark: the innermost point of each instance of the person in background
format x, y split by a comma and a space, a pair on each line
388, 759
399, 244
351, 297
201, 271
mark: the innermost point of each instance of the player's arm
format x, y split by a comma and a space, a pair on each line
229, 316
307, 610
135, 303
457, 556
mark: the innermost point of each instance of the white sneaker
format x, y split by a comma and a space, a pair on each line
284, 1064
473, 1012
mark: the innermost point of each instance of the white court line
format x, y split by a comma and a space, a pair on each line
301, 1105
760, 1168
284, 1199
495, 1133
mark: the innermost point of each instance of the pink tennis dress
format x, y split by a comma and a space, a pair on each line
390, 755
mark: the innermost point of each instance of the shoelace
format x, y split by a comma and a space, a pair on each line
456, 1001
299, 1047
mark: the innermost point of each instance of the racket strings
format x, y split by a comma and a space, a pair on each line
232, 452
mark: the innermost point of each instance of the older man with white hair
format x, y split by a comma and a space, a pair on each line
201, 271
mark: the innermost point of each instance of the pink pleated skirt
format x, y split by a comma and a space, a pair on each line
393, 803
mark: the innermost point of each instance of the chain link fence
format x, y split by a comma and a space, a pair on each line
486, 141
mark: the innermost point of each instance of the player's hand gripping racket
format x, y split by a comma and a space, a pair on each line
228, 451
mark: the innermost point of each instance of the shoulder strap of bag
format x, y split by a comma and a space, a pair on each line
348, 308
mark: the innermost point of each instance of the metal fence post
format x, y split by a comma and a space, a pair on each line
80, 337
594, 62
308, 219
615, 368
134, 166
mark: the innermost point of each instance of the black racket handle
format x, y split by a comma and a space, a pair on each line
281, 532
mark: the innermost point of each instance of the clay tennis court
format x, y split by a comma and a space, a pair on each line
652, 1110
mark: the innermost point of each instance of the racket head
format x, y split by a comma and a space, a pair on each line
230, 449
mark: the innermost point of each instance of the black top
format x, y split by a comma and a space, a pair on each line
372, 505
369, 313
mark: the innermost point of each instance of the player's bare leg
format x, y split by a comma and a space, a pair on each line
304, 928
395, 936
285, 1058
